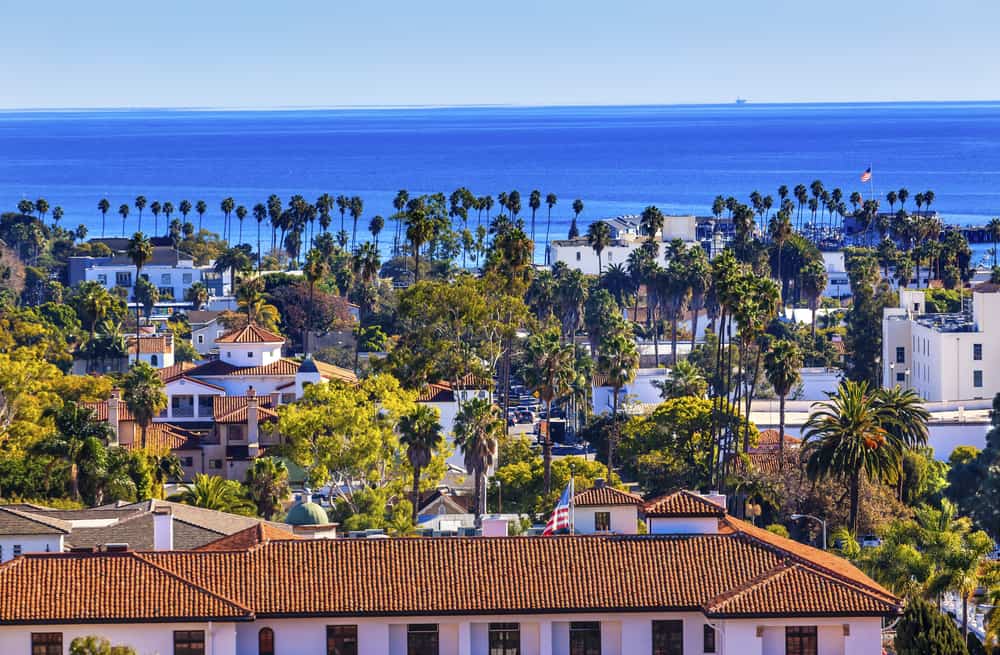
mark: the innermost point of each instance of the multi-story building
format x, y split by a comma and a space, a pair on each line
706, 583
625, 237
171, 271
943, 356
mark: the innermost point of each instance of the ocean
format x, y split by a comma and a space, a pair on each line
616, 159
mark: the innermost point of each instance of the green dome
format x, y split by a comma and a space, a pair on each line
307, 514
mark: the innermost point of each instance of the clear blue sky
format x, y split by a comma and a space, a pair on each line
254, 53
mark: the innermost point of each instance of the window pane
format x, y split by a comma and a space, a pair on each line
585, 638
602, 521
668, 638
505, 639
46, 643
265, 642
709, 640
189, 642
800, 640
422, 639
342, 640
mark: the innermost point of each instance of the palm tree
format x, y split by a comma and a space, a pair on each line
781, 230
599, 238
963, 568
548, 372
214, 492
651, 222
143, 395
577, 210
685, 380
155, 208
74, 426
928, 199
96, 302
197, 294
478, 428
375, 227
241, 213
260, 215
227, 206
903, 194
103, 206
185, 208
140, 251
846, 438
200, 208
814, 279
550, 202
123, 212
140, 204
419, 230
165, 467
399, 204
619, 284
618, 361
420, 432
168, 209
267, 484
782, 363
356, 207
534, 202
314, 270
993, 230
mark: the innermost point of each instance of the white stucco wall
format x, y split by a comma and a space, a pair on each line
149, 639
624, 520
693, 525
29, 543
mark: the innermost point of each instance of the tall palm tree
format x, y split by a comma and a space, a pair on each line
534, 202
846, 438
267, 485
356, 207
577, 210
399, 204
781, 230
618, 361
200, 207
241, 213
903, 194
964, 567
185, 208
814, 279
550, 202
599, 238
685, 379
993, 229
123, 212
140, 204
782, 364
168, 209
478, 428
548, 372
215, 492
651, 222
260, 215
74, 426
227, 206
143, 395
375, 227
103, 206
420, 432
419, 230
140, 251
154, 209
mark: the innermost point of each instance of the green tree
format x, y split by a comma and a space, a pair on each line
140, 251
599, 238
74, 426
103, 206
267, 485
214, 492
478, 428
814, 279
685, 379
924, 630
94, 645
143, 395
146, 296
782, 363
550, 201
618, 361
420, 432
140, 204
197, 294
548, 372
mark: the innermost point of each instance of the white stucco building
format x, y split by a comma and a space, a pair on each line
625, 237
640, 392
943, 356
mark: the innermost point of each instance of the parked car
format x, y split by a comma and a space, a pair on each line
870, 541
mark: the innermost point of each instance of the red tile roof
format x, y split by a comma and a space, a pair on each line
164, 436
282, 368
233, 409
769, 440
261, 533
436, 392
171, 373
151, 344
605, 497
250, 333
682, 504
100, 409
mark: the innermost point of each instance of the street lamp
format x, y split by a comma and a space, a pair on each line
814, 518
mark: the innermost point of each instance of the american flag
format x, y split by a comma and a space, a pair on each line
560, 515
867, 175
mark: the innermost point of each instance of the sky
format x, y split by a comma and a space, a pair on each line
292, 53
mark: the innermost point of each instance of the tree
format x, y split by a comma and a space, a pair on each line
599, 238
143, 396
375, 227
478, 428
227, 206
782, 363
814, 280
200, 207
241, 213
197, 294
94, 645
963, 568
313, 271
214, 492
123, 212
550, 202
574, 231
356, 208
140, 204
103, 206
924, 630
267, 485
146, 296
155, 209
846, 438
651, 223
420, 228
548, 372
165, 466
685, 380
618, 361
140, 251
420, 432
74, 426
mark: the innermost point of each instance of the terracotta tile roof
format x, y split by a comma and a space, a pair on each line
151, 344
164, 436
436, 392
682, 504
100, 409
171, 373
233, 409
769, 440
261, 533
282, 367
17, 522
250, 333
605, 497
331, 372
203, 383
109, 587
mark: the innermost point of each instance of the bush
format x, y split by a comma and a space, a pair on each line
924, 630
778, 529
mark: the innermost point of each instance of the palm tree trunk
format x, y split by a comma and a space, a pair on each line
74, 480
855, 499
546, 444
416, 262
416, 493
614, 432
781, 433
965, 618
694, 326
673, 336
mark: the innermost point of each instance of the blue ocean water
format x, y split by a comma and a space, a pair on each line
616, 159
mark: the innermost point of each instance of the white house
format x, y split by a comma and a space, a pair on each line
720, 587
157, 350
625, 237
606, 510
21, 532
448, 401
641, 391
943, 356
205, 329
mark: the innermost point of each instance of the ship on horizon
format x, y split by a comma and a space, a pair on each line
741, 101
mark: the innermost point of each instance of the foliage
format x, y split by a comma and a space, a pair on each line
974, 479
94, 645
478, 428
143, 395
924, 630
267, 485
214, 492
778, 529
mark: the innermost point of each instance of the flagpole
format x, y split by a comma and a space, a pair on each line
572, 504
871, 181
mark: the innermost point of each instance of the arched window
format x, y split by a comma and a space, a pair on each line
265, 641
153, 360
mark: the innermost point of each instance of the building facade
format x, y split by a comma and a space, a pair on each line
625, 237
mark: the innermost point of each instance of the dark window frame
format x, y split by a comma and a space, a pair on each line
46, 643
977, 352
602, 521
342, 639
582, 636
977, 379
668, 637
708, 644
189, 642
801, 640
504, 639
423, 639
900, 354
265, 641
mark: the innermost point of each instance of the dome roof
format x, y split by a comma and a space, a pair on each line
307, 513
308, 365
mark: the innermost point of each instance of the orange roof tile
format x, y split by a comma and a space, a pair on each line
151, 344
261, 533
605, 497
769, 439
171, 373
250, 333
164, 436
436, 392
682, 503
233, 409
100, 409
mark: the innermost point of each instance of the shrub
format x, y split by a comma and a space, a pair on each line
924, 630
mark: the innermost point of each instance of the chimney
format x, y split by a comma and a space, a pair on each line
113, 415
599, 483
163, 528
253, 431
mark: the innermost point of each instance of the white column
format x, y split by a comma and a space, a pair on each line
545, 638
465, 639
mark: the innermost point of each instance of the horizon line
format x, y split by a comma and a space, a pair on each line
397, 107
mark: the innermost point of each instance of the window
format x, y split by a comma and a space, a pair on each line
977, 379
265, 642
602, 521
341, 640
154, 361
205, 406
165, 278
17, 549
668, 638
900, 377
585, 638
287, 398
422, 639
46, 643
186, 278
900, 355
577, 256
189, 642
123, 279
708, 640
250, 354
201, 338
103, 279
166, 293
187, 462
916, 307
505, 639
234, 433
800, 640
215, 463
977, 351
182, 406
